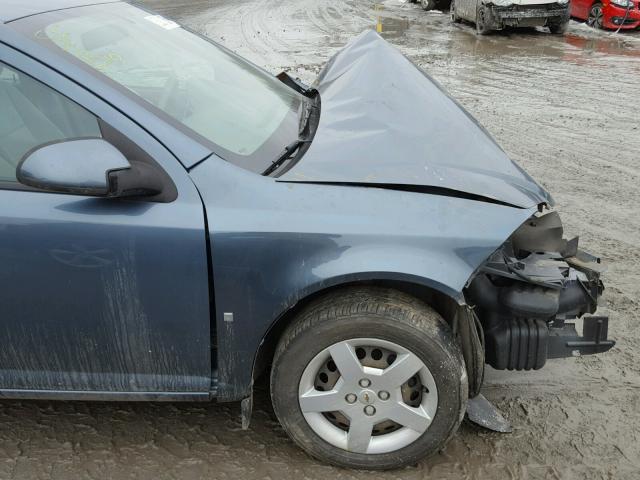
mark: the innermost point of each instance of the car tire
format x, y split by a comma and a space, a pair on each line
595, 16
558, 27
484, 21
428, 4
369, 325
452, 12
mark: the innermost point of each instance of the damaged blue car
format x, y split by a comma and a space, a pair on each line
176, 222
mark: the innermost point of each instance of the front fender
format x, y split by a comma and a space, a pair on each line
274, 243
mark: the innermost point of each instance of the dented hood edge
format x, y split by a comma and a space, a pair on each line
386, 123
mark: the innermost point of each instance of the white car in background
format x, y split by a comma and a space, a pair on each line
489, 15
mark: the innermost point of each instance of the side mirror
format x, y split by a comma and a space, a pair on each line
86, 167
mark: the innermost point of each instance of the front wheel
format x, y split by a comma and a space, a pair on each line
428, 4
558, 27
484, 20
595, 16
369, 378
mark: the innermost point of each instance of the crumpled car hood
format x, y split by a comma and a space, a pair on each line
385, 123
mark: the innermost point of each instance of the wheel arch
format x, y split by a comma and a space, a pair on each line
438, 296
592, 3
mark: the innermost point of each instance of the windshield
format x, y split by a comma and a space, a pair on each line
244, 114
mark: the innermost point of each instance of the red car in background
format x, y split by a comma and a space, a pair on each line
614, 14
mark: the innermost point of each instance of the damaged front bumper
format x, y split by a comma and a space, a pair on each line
529, 294
527, 15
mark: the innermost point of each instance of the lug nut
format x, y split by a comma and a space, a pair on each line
370, 410
383, 395
351, 398
364, 383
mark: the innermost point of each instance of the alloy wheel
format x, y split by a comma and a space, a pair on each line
368, 395
481, 21
595, 16
428, 4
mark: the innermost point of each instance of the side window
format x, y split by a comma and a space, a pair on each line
33, 114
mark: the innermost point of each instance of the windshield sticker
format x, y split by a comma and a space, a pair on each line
66, 39
162, 22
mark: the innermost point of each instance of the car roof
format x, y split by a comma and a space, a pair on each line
14, 9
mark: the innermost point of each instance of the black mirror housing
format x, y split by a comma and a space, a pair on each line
141, 180
88, 166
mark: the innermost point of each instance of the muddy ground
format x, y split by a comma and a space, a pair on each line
567, 109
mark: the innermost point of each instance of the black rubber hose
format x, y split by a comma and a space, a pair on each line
574, 296
483, 293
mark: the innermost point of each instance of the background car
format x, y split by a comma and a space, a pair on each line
433, 4
491, 15
611, 14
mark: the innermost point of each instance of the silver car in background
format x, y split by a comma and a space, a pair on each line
489, 15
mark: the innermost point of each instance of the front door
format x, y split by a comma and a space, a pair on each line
96, 295
466, 9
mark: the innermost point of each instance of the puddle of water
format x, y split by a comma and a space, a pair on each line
581, 44
603, 45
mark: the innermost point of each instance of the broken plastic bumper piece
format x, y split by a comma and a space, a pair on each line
565, 341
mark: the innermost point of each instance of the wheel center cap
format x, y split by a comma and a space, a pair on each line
368, 397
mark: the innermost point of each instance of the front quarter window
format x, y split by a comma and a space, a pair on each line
244, 114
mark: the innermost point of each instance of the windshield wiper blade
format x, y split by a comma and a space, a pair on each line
309, 114
297, 85
288, 152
